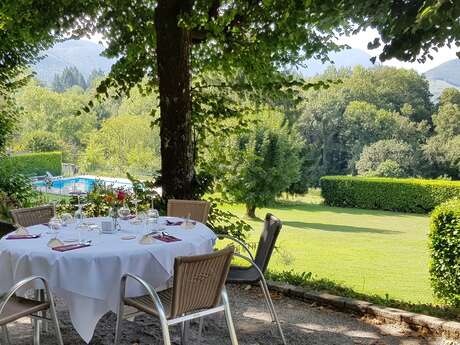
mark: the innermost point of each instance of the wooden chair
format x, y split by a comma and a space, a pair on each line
197, 209
198, 290
258, 264
32, 216
13, 308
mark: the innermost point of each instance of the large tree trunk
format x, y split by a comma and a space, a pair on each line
173, 57
250, 211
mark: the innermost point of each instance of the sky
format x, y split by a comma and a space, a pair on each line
360, 41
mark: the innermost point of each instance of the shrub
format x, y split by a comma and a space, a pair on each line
15, 191
445, 251
398, 152
393, 194
35, 164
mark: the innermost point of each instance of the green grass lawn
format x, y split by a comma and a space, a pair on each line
372, 252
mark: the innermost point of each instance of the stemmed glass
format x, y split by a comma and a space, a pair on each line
79, 217
136, 202
55, 224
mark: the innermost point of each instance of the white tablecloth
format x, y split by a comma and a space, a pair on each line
88, 279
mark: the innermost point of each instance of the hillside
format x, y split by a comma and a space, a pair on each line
85, 55
344, 58
443, 76
448, 71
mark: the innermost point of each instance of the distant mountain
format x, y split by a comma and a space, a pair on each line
443, 76
84, 55
448, 71
436, 87
344, 58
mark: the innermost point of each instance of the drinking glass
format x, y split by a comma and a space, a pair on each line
79, 217
153, 215
124, 212
55, 223
66, 219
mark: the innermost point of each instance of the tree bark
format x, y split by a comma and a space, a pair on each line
173, 63
251, 211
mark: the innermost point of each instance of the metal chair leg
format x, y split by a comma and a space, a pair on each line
185, 326
120, 311
272, 307
36, 331
200, 330
44, 325
5, 336
165, 331
53, 315
267, 302
228, 318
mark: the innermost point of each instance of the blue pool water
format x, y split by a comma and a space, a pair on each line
80, 184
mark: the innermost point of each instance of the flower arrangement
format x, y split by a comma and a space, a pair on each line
115, 199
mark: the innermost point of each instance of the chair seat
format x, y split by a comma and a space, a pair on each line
243, 275
18, 307
145, 303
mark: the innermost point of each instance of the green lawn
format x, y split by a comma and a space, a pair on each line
373, 252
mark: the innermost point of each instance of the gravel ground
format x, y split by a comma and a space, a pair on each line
303, 323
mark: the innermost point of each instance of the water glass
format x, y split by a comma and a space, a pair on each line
55, 223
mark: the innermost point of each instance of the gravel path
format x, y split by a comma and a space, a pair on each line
303, 323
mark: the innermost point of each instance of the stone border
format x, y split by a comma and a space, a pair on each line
418, 322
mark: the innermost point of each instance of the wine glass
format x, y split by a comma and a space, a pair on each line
79, 217
153, 215
124, 212
136, 202
66, 219
55, 224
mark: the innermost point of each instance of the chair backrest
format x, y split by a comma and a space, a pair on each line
32, 216
272, 228
198, 209
199, 280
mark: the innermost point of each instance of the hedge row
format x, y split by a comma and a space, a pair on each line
393, 194
35, 164
445, 251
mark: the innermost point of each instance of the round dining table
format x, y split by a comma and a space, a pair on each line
87, 279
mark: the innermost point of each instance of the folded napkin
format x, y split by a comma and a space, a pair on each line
21, 237
180, 222
68, 247
131, 216
167, 238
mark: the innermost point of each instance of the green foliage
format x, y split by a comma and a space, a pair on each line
71, 76
35, 164
389, 168
15, 189
445, 251
390, 153
392, 194
124, 143
256, 166
41, 141
450, 95
369, 105
310, 282
442, 149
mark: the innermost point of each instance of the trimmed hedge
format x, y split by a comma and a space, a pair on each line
445, 251
392, 194
35, 164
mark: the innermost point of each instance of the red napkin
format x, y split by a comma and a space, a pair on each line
170, 223
68, 247
167, 238
22, 237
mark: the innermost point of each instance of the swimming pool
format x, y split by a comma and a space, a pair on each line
67, 185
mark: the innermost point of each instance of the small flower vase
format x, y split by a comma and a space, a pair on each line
113, 213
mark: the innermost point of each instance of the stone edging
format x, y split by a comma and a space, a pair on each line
418, 322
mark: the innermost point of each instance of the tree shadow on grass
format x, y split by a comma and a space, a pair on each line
339, 228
